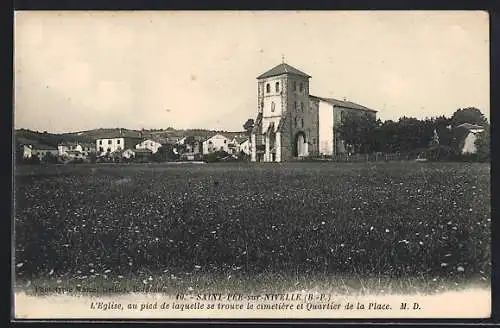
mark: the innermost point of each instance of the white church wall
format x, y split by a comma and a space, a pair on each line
326, 122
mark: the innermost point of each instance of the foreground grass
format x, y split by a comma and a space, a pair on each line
365, 226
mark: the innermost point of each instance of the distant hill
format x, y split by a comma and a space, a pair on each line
53, 139
45, 138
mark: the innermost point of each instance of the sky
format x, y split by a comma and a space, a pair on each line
77, 71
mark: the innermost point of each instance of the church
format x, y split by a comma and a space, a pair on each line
291, 123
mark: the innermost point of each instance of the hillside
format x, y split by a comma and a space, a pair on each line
45, 138
53, 139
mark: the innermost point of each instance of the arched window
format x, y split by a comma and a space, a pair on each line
302, 107
300, 87
272, 106
277, 87
295, 105
268, 88
301, 122
294, 85
295, 119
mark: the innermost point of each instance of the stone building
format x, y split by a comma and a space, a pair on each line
290, 122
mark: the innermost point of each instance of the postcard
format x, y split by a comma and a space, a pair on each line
251, 165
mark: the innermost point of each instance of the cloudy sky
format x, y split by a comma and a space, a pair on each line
82, 70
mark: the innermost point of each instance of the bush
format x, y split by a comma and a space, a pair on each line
32, 160
438, 153
243, 157
215, 156
49, 158
210, 158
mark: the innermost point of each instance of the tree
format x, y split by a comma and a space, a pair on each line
19, 154
482, 144
470, 115
189, 140
385, 136
357, 131
435, 139
442, 125
248, 126
243, 156
413, 134
409, 134
32, 160
50, 158
165, 153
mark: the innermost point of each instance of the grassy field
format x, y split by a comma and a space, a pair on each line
376, 226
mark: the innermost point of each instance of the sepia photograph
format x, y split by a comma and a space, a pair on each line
251, 165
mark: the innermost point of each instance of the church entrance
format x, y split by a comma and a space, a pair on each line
272, 146
300, 145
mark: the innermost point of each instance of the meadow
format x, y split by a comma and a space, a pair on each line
376, 226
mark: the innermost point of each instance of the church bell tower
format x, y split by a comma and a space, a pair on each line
283, 98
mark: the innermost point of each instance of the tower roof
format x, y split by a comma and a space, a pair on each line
280, 69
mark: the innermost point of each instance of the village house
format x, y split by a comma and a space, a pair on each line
27, 150
215, 143
291, 123
150, 144
237, 144
189, 145
245, 147
194, 148
111, 142
181, 141
468, 134
75, 149
24, 146
42, 151
173, 140
141, 155
194, 145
